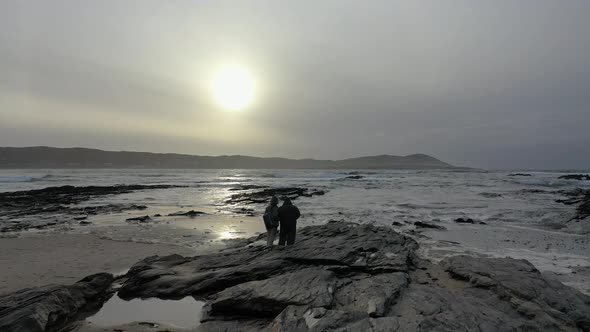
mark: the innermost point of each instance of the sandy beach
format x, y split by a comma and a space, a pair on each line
65, 256
30, 261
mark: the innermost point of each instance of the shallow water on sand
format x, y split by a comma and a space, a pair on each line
184, 313
381, 197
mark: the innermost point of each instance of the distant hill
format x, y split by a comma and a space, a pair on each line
47, 157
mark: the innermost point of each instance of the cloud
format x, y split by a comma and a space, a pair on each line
488, 84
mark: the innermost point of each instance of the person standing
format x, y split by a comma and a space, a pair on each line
288, 215
271, 220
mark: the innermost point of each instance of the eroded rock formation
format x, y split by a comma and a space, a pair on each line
263, 196
337, 277
580, 197
580, 177
348, 277
50, 308
20, 210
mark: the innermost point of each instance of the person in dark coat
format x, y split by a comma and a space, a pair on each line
271, 230
288, 215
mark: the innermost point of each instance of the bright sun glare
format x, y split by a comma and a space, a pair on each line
233, 88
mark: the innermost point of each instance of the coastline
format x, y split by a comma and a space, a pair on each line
31, 261
39, 258
63, 256
34, 258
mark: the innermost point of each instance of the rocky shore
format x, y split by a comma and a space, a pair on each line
52, 207
53, 307
263, 196
337, 277
42, 208
580, 197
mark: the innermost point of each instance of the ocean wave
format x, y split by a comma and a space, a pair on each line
266, 175
227, 180
157, 175
24, 178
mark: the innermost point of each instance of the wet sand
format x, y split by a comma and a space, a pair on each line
65, 256
30, 261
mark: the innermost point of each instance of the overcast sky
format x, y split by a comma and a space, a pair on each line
493, 84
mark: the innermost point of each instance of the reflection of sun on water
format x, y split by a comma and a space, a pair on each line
233, 88
226, 235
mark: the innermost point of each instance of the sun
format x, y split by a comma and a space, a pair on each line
233, 88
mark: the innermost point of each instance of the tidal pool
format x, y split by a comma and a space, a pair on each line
185, 313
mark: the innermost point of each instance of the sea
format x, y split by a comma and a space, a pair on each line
515, 216
379, 197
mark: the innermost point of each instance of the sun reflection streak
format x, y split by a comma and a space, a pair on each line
226, 235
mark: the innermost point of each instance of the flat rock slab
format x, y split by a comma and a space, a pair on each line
21, 210
420, 224
263, 196
518, 282
336, 246
348, 277
580, 177
269, 297
50, 308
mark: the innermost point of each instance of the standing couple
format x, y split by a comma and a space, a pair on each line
286, 215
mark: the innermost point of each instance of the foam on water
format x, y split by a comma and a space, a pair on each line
382, 196
23, 178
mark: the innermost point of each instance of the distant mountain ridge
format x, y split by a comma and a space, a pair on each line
48, 157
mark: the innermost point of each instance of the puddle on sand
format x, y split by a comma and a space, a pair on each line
185, 313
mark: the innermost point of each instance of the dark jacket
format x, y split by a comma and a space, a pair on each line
274, 210
288, 213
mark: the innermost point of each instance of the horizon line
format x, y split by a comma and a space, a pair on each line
221, 155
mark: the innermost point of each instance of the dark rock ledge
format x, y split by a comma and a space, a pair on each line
54, 198
347, 277
37, 206
53, 307
576, 177
263, 196
580, 197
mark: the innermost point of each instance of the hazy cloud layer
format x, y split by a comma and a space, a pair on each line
479, 83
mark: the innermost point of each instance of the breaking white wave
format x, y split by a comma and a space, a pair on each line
381, 196
23, 178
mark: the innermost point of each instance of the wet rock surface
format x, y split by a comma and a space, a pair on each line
533, 191
549, 303
52, 307
490, 195
338, 246
469, 221
263, 196
354, 177
17, 208
245, 211
247, 187
191, 214
580, 197
465, 221
421, 224
347, 277
145, 218
581, 177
